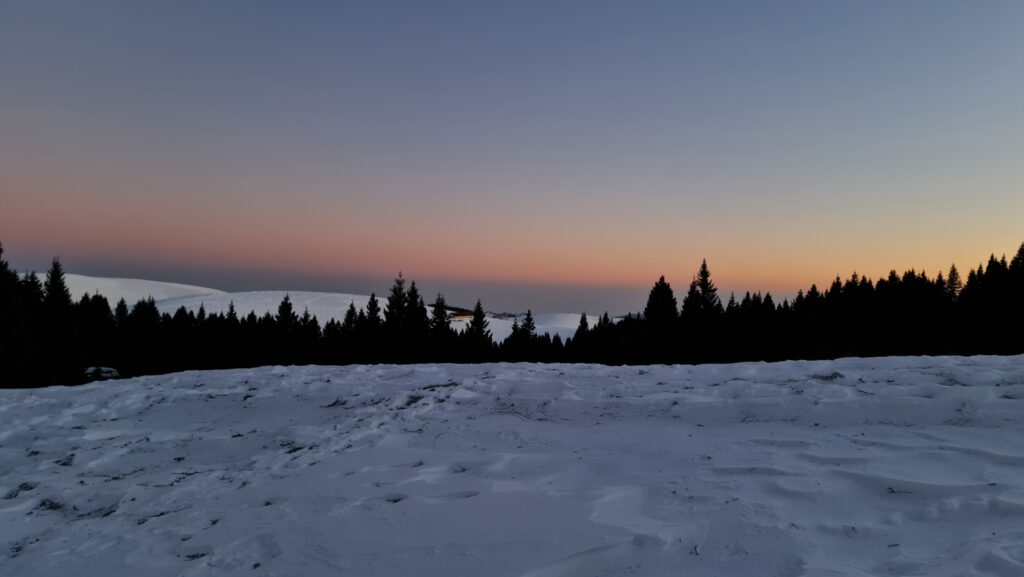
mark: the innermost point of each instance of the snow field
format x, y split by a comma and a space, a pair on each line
857, 467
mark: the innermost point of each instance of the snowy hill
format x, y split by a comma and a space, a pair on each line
130, 289
323, 305
855, 468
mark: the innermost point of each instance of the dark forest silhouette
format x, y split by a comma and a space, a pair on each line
47, 338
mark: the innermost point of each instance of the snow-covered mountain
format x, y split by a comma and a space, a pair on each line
851, 468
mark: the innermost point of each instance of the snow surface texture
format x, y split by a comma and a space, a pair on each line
130, 289
899, 466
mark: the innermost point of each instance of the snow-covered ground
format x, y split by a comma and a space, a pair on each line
132, 290
858, 467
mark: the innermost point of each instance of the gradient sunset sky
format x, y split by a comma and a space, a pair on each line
553, 155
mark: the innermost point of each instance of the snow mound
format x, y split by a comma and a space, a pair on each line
857, 467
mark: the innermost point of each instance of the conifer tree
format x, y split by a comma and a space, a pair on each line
348, 324
710, 303
60, 333
953, 283
691, 311
373, 319
583, 328
121, 313
529, 327
286, 317
1017, 264
416, 312
440, 324
661, 308
478, 325
477, 337
57, 296
394, 315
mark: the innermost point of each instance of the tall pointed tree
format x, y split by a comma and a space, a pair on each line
440, 321
477, 336
373, 318
582, 329
661, 308
394, 315
529, 327
953, 283
58, 297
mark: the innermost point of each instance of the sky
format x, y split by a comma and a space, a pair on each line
558, 156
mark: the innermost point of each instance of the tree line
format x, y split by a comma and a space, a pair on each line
47, 337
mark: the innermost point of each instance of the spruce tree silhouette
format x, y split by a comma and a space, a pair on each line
20, 303
529, 327
373, 318
477, 338
442, 343
662, 309
440, 322
370, 332
64, 364
579, 346
417, 325
660, 317
394, 314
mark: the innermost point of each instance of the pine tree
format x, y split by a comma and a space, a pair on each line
529, 327
477, 337
440, 323
63, 362
478, 325
121, 313
661, 308
732, 308
710, 303
373, 319
394, 315
582, 329
953, 283
286, 317
1017, 264
702, 304
348, 324
57, 296
691, 312
416, 313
